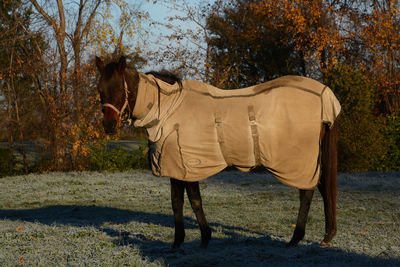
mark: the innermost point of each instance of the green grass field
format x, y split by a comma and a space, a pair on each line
125, 219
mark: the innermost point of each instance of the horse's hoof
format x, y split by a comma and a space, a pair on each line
176, 245
296, 238
205, 242
292, 243
325, 244
206, 237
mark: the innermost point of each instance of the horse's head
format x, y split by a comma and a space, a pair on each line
117, 88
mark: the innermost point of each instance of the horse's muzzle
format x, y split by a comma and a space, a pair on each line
110, 127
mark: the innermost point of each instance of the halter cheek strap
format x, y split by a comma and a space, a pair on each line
126, 103
112, 107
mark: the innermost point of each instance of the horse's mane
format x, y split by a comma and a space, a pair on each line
166, 76
163, 75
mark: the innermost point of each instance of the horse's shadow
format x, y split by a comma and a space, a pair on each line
97, 215
235, 249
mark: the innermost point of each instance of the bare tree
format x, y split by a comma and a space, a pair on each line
184, 40
73, 27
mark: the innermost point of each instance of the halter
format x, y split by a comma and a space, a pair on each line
126, 103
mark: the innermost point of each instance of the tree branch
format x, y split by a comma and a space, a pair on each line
46, 16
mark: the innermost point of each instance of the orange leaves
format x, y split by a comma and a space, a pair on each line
380, 37
313, 31
76, 145
20, 228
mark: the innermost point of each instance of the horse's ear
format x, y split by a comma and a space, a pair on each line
99, 64
121, 64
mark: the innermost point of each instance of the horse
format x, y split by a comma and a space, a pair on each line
155, 98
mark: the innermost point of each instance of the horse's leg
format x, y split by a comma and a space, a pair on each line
328, 182
177, 191
299, 231
193, 191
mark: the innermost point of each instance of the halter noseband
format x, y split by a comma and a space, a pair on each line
126, 103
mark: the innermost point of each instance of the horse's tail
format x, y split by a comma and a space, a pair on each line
328, 181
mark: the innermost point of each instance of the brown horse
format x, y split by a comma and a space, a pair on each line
119, 92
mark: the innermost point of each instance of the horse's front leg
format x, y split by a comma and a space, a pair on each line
177, 191
299, 231
193, 191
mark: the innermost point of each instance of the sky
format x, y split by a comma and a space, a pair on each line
159, 12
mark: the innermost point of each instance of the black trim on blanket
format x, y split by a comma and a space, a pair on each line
257, 93
168, 93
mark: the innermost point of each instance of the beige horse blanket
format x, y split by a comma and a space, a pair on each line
197, 130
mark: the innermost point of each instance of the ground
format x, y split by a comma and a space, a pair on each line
103, 219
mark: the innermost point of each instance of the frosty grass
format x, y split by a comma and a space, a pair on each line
125, 219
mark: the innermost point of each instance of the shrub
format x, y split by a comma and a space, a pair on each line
391, 130
102, 158
362, 145
7, 166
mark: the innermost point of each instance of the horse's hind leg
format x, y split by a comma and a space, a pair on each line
299, 231
177, 191
329, 197
193, 191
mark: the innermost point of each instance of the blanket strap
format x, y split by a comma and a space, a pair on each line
254, 134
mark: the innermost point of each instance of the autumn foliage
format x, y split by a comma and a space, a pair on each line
352, 46
48, 79
48, 92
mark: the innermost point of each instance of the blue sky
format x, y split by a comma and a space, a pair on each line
159, 12
152, 41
